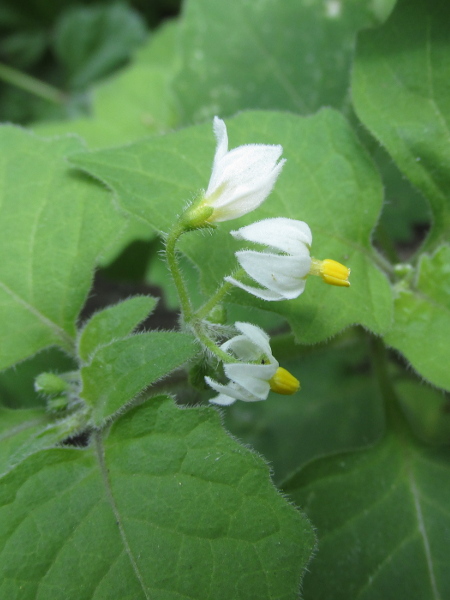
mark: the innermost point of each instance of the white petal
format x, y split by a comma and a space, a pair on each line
232, 390
235, 202
222, 400
244, 165
279, 273
287, 235
242, 348
256, 335
220, 131
258, 292
253, 378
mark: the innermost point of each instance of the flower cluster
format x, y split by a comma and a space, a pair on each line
241, 180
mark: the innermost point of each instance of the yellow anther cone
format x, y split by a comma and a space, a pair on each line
331, 271
284, 382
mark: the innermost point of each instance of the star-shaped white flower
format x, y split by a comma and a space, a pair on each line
282, 274
258, 373
241, 179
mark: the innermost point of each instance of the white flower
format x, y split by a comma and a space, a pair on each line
282, 273
249, 380
241, 178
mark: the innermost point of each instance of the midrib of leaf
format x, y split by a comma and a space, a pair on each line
104, 472
66, 339
420, 521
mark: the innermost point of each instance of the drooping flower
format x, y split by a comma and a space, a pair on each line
241, 180
282, 272
257, 373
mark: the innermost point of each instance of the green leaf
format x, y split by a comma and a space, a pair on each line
168, 506
421, 328
401, 94
53, 226
112, 323
24, 432
132, 104
272, 55
91, 41
382, 521
122, 369
16, 428
328, 181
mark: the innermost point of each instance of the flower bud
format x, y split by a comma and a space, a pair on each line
50, 384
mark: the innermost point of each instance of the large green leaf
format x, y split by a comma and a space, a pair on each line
400, 92
167, 507
421, 329
293, 55
328, 181
53, 226
121, 369
382, 521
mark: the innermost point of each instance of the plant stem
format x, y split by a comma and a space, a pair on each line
175, 271
221, 292
383, 263
212, 347
31, 84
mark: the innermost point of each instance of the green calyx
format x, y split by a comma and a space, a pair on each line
196, 216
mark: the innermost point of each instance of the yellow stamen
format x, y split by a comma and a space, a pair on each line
284, 383
331, 272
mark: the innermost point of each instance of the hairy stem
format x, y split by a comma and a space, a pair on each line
211, 346
172, 262
218, 296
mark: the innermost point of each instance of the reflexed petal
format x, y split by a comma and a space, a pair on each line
279, 273
231, 389
287, 235
258, 292
223, 400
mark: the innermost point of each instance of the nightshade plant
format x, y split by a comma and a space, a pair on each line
154, 440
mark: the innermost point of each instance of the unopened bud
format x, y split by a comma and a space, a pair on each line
50, 384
